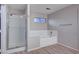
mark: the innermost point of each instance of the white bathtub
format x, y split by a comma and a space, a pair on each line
46, 38
38, 39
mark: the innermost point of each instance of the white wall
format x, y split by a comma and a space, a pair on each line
3, 28
16, 9
34, 31
66, 25
78, 25
37, 26
39, 35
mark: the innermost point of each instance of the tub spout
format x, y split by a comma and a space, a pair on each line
50, 34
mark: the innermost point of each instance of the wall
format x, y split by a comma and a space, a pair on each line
65, 22
15, 11
35, 29
3, 28
78, 24
37, 26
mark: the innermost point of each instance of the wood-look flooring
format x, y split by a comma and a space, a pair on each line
53, 49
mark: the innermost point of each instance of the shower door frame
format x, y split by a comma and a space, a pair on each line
8, 38
4, 36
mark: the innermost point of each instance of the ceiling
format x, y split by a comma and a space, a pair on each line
18, 9
41, 8
38, 8
21, 7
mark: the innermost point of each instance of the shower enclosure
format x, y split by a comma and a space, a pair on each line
16, 31
13, 26
16, 27
0, 28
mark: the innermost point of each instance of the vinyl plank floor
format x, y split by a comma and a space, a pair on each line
53, 49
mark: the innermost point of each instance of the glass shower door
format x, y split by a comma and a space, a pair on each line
16, 31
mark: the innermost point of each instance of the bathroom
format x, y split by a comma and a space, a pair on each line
28, 27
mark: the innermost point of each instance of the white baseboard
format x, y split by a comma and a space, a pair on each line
68, 46
16, 50
39, 47
33, 49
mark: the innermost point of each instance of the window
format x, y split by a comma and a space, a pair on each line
39, 20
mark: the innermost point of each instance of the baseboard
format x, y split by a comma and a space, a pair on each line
39, 47
33, 49
67, 46
16, 50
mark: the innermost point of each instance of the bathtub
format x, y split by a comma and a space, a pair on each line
48, 38
42, 38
